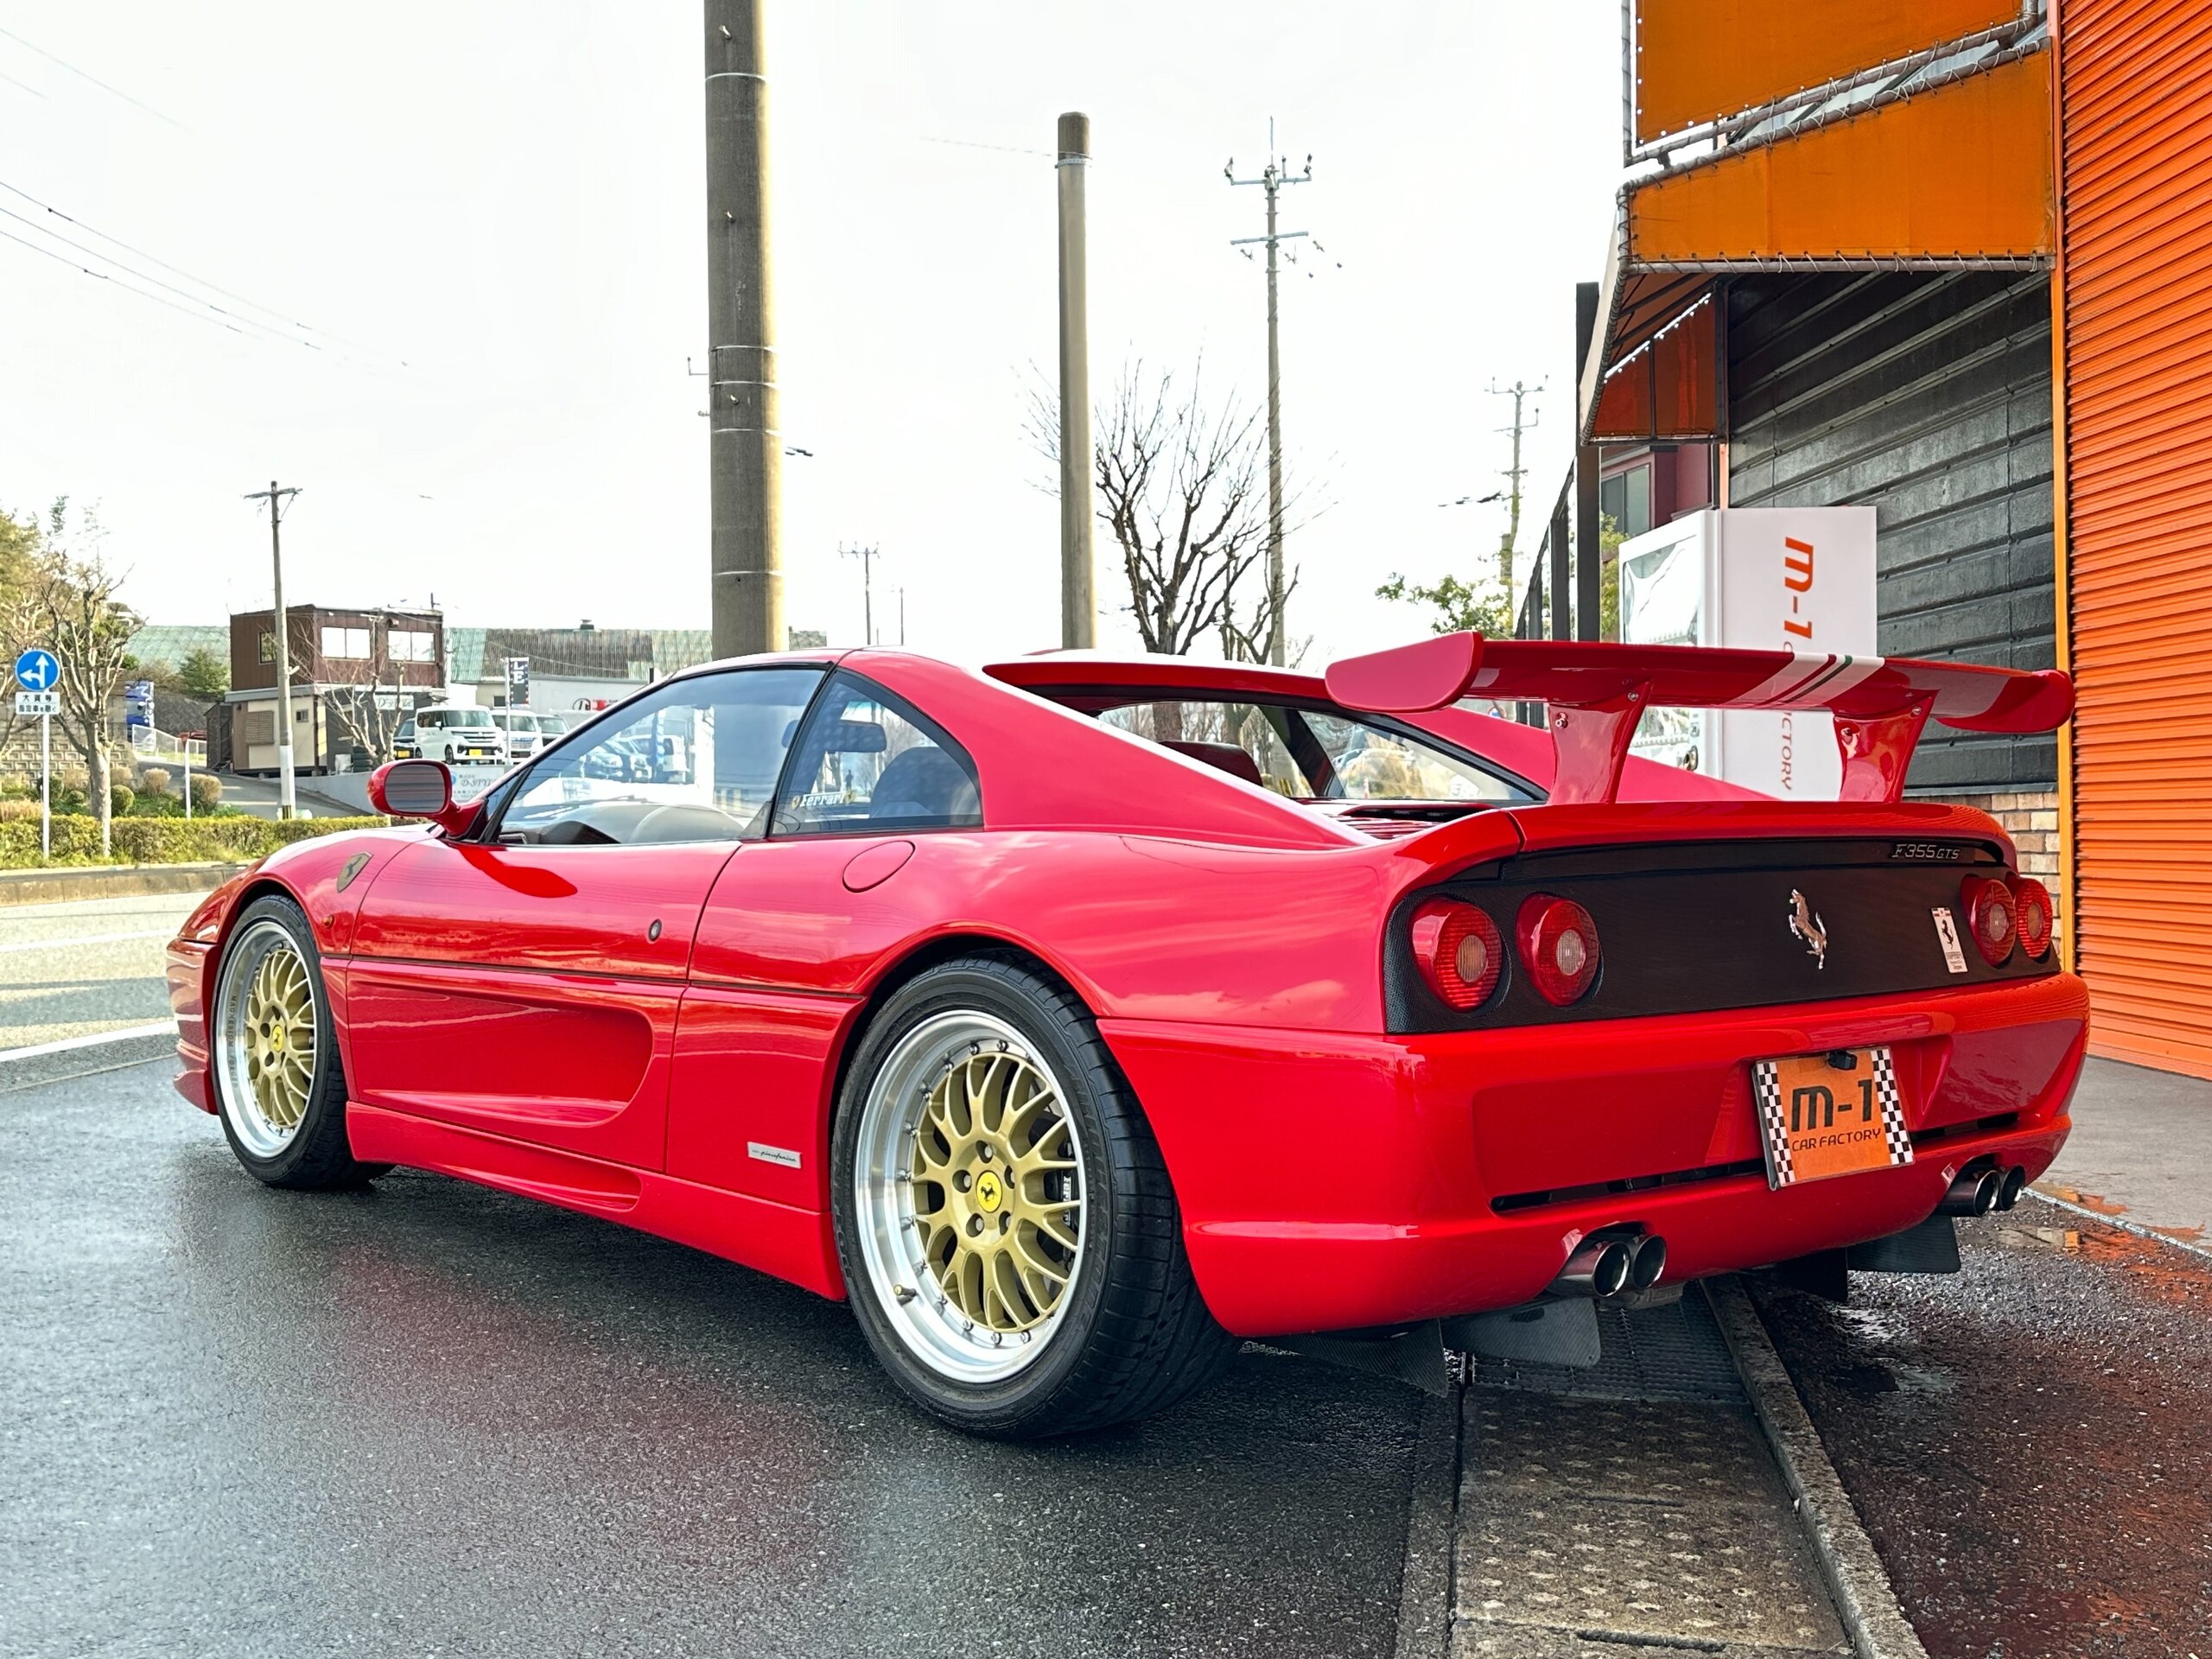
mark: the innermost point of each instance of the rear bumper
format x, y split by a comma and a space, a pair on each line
1330, 1181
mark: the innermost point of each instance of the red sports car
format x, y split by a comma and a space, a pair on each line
1075, 1017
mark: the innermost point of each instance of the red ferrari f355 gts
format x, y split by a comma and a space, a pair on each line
1074, 1018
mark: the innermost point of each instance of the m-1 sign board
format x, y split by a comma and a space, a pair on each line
1798, 578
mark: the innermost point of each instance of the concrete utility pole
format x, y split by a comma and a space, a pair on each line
1272, 179
286, 798
866, 556
745, 448
1519, 393
1078, 603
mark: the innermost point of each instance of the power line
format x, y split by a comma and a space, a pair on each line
238, 324
143, 294
112, 91
152, 258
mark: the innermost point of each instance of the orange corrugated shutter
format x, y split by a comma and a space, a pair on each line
2135, 80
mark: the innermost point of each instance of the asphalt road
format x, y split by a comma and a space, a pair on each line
86, 966
433, 1419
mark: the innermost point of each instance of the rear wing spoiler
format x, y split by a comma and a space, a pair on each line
1596, 693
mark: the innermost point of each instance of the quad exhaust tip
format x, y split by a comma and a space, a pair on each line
1604, 1267
2009, 1188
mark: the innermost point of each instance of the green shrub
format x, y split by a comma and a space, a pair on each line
120, 797
206, 791
17, 787
230, 838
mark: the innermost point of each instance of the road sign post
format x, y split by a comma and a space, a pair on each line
38, 673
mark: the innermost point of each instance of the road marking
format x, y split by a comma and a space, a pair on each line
89, 938
159, 1027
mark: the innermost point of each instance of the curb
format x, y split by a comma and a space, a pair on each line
1856, 1578
40, 1064
1425, 1591
2121, 1222
111, 881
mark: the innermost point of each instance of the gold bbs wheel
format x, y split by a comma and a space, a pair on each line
264, 1037
968, 1186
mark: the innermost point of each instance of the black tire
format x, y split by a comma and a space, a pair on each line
317, 1157
1135, 1336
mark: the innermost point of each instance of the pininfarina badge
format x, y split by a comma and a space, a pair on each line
1807, 926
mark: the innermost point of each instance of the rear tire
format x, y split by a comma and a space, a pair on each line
1009, 1235
279, 1088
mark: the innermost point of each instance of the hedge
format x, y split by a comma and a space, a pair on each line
163, 840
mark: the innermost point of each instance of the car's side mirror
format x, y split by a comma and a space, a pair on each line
419, 789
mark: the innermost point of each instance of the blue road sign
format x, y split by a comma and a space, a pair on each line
38, 669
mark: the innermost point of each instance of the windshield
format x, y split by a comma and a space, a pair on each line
1313, 753
469, 718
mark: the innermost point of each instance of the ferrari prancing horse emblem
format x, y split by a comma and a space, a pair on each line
1808, 927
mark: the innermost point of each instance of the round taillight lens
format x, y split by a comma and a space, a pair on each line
1988, 905
2032, 915
1558, 947
1458, 950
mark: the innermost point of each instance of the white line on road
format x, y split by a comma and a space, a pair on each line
158, 1028
89, 938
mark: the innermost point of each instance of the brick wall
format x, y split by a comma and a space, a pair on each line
2032, 819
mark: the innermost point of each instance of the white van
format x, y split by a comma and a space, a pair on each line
452, 733
527, 731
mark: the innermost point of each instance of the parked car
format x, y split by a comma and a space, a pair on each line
1076, 1018
527, 730
452, 733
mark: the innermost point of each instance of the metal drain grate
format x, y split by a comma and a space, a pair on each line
1675, 1353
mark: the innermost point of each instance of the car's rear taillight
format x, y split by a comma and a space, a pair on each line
2031, 915
1559, 946
1458, 950
1988, 906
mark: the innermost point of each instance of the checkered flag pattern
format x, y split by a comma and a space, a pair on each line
1894, 1132
1774, 1127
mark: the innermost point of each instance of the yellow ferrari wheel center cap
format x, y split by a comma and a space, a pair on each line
989, 1194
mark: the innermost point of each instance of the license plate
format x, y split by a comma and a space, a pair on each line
1827, 1115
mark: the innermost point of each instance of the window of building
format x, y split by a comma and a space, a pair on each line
1625, 498
411, 646
350, 645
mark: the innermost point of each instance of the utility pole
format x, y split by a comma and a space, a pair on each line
1589, 553
1519, 393
286, 798
1272, 179
866, 556
744, 449
902, 615
1078, 603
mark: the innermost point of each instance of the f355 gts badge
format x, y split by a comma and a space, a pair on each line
1808, 927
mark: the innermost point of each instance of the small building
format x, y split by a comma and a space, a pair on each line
356, 674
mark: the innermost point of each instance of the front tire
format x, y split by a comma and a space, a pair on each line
279, 1088
1009, 1236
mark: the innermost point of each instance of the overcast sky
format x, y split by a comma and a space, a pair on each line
492, 215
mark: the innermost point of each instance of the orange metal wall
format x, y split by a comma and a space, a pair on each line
2135, 145
1699, 58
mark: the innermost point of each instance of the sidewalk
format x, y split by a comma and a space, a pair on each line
2141, 1150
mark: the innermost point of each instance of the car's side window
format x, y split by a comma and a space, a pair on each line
695, 760
868, 760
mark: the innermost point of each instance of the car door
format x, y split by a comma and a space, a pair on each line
789, 931
525, 981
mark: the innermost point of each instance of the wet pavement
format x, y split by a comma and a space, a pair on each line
434, 1419
86, 966
2027, 1442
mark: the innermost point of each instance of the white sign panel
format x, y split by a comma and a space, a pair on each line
28, 704
1796, 579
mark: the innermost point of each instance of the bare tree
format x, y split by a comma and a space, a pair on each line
69, 606
1184, 491
369, 714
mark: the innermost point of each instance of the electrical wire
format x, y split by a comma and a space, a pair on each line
237, 323
112, 91
105, 276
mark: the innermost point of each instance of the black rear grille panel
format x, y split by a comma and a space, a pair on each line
1697, 927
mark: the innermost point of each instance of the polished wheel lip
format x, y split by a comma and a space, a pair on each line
265, 1033
931, 1326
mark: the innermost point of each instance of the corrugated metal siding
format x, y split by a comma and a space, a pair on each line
1927, 395
2136, 170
